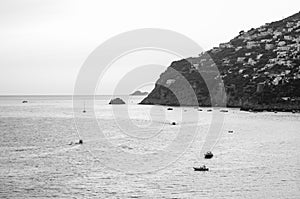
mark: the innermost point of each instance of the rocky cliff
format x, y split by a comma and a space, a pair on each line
260, 69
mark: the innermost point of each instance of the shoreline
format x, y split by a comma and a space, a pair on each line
248, 108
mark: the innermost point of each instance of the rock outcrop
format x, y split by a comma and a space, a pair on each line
260, 68
139, 93
116, 101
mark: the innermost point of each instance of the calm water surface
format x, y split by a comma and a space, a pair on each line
259, 160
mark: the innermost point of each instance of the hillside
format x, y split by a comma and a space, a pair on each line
260, 69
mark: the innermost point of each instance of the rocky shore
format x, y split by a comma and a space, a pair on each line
294, 108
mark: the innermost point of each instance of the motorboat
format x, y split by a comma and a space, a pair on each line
203, 168
208, 155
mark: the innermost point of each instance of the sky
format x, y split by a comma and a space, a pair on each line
44, 43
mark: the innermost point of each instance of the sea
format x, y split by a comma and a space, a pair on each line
144, 151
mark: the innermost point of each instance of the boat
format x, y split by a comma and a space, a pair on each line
208, 155
75, 143
203, 168
169, 109
84, 111
224, 111
230, 131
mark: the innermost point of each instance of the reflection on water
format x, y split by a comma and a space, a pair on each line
259, 160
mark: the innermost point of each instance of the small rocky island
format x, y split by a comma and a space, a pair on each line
116, 101
139, 93
259, 68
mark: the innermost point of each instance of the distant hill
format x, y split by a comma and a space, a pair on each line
260, 69
139, 93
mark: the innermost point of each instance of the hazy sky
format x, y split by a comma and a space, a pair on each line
43, 43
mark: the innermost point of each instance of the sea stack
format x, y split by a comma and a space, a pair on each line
116, 101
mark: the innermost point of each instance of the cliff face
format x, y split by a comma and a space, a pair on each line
260, 67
